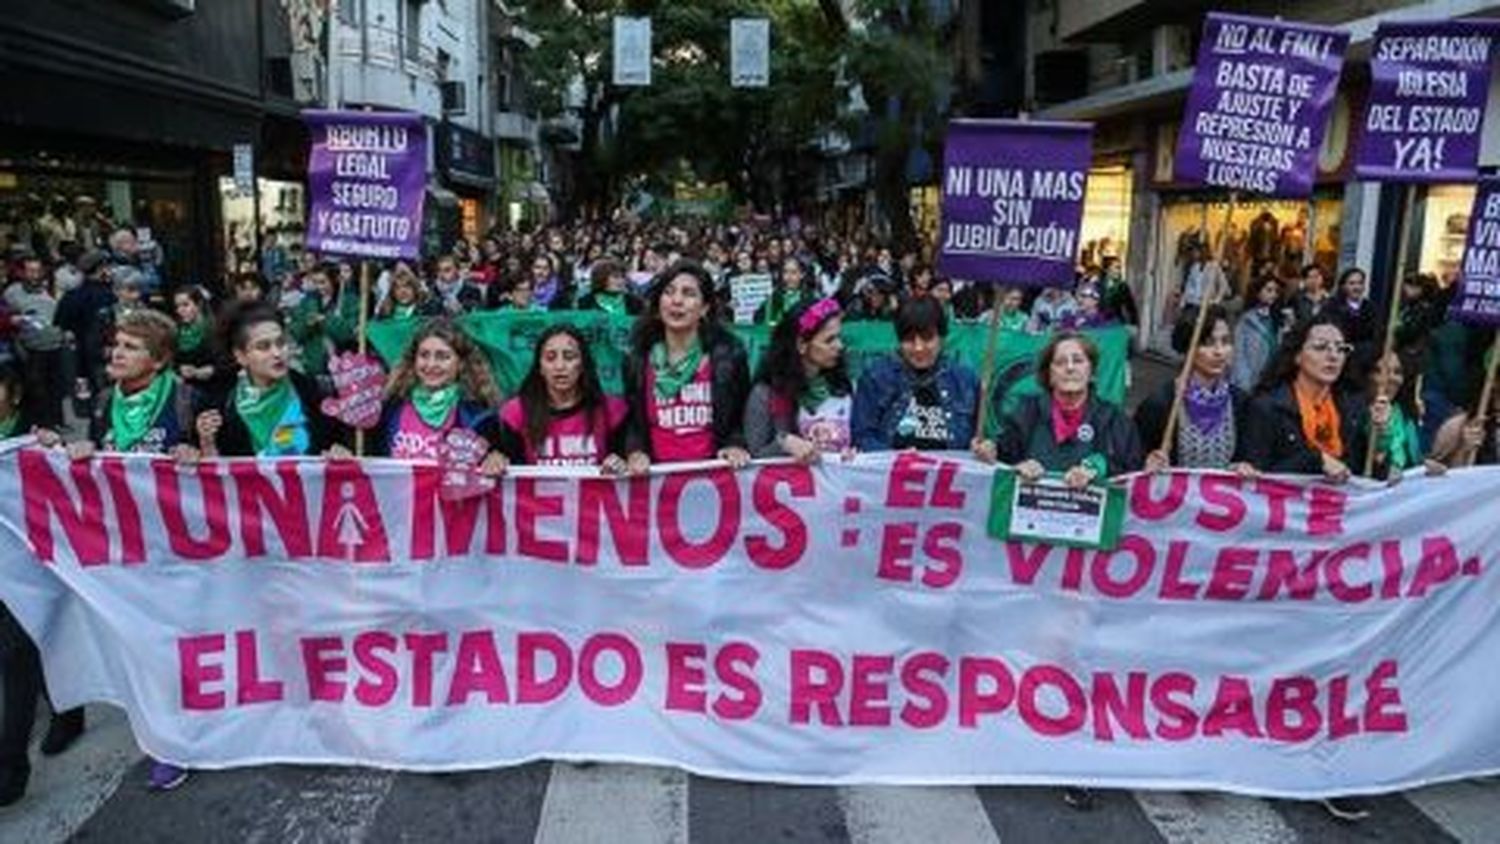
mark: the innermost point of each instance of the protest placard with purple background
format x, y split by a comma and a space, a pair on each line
1259, 104
1478, 299
366, 177
1013, 200
1429, 83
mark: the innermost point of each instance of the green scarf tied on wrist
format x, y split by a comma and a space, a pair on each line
815, 393
130, 417
190, 336
262, 408
672, 377
433, 406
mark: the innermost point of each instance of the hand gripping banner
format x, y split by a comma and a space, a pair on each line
846, 623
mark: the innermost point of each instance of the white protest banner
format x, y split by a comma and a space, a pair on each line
835, 624
632, 56
747, 293
749, 52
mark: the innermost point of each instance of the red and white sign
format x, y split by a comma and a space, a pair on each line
359, 381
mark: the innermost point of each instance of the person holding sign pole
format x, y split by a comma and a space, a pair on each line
685, 377
273, 410
920, 399
1470, 438
561, 415
802, 399
1304, 420
1067, 428
442, 382
1212, 428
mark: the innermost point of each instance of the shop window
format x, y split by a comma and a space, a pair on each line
1106, 215
1444, 222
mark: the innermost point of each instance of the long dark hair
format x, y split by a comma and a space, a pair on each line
781, 367
536, 409
648, 329
1283, 367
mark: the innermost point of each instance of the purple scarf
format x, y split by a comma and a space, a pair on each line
1207, 406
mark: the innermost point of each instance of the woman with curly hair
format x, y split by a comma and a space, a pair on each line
408, 297
441, 383
802, 398
561, 416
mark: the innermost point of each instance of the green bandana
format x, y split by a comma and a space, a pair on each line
405, 311
1014, 321
815, 393
611, 302
672, 377
190, 336
433, 406
8, 426
1399, 442
130, 417
262, 409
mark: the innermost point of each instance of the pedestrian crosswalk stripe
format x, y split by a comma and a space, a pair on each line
1192, 817
898, 814
1466, 810
612, 804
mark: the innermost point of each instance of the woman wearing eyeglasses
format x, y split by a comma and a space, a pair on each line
1306, 419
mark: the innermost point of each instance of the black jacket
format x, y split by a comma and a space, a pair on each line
1151, 420
1273, 440
729, 371
234, 437
1026, 434
1362, 327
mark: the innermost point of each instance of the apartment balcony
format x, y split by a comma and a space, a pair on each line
516, 127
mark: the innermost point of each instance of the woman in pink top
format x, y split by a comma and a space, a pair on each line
442, 384
561, 416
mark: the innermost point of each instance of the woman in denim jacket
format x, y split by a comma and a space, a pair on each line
918, 399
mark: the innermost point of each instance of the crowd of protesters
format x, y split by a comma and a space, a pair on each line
1288, 377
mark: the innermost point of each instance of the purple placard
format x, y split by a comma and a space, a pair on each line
1478, 299
1429, 83
366, 179
1259, 104
1013, 200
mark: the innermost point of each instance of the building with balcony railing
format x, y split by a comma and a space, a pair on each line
1127, 65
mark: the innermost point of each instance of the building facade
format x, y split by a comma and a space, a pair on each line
1127, 65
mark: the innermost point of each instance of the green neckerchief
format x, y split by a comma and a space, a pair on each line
611, 301
262, 409
1399, 441
130, 417
8, 425
405, 311
1013, 321
672, 377
433, 406
815, 393
190, 335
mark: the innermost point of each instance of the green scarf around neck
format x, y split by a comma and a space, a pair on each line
672, 377
815, 393
262, 409
611, 301
433, 406
8, 425
190, 335
1400, 441
130, 417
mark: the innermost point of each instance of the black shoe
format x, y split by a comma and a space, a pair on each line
13, 779
1079, 798
65, 729
1346, 809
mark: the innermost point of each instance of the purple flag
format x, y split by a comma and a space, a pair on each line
1478, 299
1429, 83
1013, 200
1259, 104
366, 179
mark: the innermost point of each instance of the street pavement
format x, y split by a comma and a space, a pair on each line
95, 793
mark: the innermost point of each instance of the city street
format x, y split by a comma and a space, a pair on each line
95, 793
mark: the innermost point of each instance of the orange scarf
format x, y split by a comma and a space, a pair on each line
1320, 422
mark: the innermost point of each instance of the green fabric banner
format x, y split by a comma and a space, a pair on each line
509, 338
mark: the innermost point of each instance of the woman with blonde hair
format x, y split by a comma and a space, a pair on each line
408, 296
441, 383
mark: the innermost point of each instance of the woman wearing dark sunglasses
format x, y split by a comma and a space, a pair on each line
1305, 419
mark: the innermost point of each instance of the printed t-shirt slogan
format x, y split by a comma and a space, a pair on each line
1259, 104
366, 179
1013, 200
